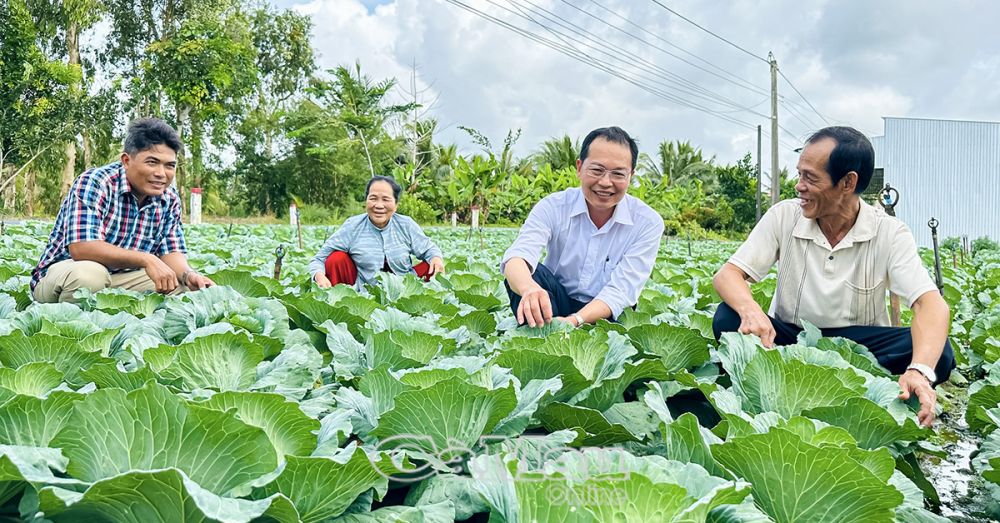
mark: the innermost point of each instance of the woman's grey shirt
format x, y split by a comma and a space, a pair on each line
370, 247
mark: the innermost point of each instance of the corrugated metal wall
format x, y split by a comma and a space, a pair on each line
946, 169
878, 143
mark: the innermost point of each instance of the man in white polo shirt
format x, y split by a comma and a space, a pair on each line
837, 256
601, 243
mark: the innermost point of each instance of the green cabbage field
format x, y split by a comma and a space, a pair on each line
263, 399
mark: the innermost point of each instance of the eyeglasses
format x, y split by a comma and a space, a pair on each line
598, 172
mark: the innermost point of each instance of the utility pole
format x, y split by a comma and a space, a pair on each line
775, 170
758, 175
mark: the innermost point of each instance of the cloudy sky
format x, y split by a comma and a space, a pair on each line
855, 61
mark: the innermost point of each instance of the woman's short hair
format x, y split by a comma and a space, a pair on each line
396, 189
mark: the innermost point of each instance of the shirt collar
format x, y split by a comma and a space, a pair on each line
864, 228
580, 205
622, 213
392, 219
123, 186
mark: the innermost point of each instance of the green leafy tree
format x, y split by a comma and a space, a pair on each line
187, 61
788, 183
359, 105
482, 178
258, 182
437, 185
323, 165
35, 95
135, 26
285, 62
206, 69
738, 188
60, 24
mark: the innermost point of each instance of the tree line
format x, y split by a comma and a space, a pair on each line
263, 127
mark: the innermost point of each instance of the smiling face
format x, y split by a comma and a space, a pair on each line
380, 203
150, 172
818, 195
605, 174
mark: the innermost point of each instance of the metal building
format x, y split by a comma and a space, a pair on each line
945, 169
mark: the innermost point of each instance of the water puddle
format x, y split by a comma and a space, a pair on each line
964, 498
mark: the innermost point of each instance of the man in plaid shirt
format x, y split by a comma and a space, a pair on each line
118, 219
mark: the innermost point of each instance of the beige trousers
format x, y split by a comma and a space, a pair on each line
66, 277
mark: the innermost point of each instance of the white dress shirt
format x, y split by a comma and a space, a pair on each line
610, 264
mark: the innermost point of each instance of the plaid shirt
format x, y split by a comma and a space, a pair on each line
101, 207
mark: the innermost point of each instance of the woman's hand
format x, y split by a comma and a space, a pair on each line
321, 281
436, 266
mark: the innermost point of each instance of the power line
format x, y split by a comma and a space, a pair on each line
680, 101
737, 46
805, 123
577, 55
804, 119
579, 32
803, 97
692, 22
751, 87
751, 106
739, 82
746, 84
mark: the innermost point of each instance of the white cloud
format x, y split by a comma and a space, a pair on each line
854, 61
864, 107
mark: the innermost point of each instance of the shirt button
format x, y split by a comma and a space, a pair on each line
830, 258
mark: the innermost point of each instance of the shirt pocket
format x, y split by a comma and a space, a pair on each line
148, 240
607, 267
864, 302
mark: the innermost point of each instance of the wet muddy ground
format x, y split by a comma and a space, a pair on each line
964, 497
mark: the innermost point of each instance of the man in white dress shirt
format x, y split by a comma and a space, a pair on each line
601, 243
836, 258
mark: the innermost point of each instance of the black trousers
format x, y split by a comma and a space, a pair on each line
562, 304
891, 346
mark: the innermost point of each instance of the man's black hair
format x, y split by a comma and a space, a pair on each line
396, 189
611, 134
853, 152
145, 133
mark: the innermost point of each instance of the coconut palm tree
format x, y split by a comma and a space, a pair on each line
678, 163
557, 152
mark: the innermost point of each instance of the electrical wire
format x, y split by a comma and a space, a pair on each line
803, 118
579, 32
692, 22
603, 66
739, 82
803, 97
550, 16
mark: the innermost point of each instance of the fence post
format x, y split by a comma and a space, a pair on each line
195, 206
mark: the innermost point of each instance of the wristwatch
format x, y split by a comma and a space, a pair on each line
925, 370
579, 319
